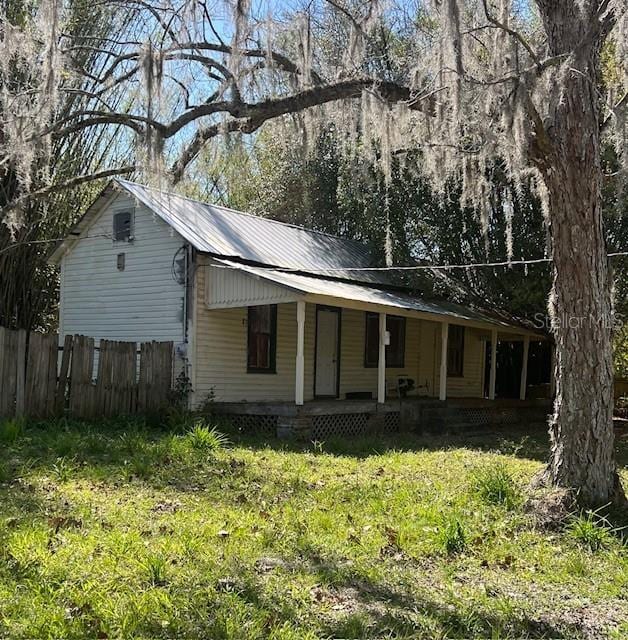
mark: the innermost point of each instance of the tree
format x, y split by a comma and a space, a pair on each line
347, 195
476, 86
28, 286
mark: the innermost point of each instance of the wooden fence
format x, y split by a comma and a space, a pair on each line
40, 379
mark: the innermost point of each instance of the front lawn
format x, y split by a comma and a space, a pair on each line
119, 530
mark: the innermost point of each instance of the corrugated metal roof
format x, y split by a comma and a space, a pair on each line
369, 294
225, 232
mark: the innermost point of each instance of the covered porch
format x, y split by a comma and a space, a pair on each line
351, 354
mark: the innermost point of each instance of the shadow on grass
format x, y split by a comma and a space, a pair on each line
355, 606
125, 449
524, 443
391, 609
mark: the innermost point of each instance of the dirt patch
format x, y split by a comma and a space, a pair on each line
551, 508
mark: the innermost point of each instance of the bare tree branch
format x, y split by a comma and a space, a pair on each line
251, 117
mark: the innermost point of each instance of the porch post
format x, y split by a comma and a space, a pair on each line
444, 337
491, 388
300, 364
524, 368
381, 361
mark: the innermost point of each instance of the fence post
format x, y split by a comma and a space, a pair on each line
63, 373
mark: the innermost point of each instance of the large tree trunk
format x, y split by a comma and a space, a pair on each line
581, 428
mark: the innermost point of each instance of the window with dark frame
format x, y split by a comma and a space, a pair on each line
455, 351
123, 226
262, 339
395, 351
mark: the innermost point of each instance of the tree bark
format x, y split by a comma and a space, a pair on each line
580, 306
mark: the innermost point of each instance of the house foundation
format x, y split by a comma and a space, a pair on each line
321, 420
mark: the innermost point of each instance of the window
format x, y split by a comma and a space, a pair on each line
262, 339
455, 351
121, 262
395, 351
122, 227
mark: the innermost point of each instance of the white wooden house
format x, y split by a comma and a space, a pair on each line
268, 317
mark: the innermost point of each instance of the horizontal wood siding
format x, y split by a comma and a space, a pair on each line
470, 385
354, 376
221, 337
141, 303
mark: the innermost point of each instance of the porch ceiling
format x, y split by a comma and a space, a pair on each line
357, 296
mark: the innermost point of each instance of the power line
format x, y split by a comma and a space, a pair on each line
420, 267
472, 265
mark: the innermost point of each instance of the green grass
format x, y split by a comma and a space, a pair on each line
119, 530
494, 484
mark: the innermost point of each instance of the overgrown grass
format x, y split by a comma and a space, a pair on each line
592, 530
494, 484
125, 530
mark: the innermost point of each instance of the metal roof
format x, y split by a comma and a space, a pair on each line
362, 293
225, 232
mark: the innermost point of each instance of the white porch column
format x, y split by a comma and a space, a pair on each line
491, 388
381, 361
300, 364
444, 337
524, 368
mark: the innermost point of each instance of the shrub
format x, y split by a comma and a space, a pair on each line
494, 484
452, 535
11, 430
203, 438
591, 530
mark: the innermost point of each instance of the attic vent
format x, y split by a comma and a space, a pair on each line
122, 227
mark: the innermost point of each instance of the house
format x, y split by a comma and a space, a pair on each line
284, 327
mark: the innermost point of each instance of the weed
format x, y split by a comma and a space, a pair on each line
140, 466
11, 430
591, 530
132, 442
5, 473
494, 484
318, 446
178, 419
63, 469
451, 535
180, 395
203, 438
155, 566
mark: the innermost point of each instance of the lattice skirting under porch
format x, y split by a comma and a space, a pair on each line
317, 427
254, 424
344, 424
488, 415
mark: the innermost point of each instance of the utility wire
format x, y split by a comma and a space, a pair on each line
419, 267
472, 265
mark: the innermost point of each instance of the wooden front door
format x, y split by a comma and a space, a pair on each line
327, 352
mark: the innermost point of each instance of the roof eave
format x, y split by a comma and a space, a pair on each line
83, 223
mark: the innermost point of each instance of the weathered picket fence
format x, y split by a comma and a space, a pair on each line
38, 378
